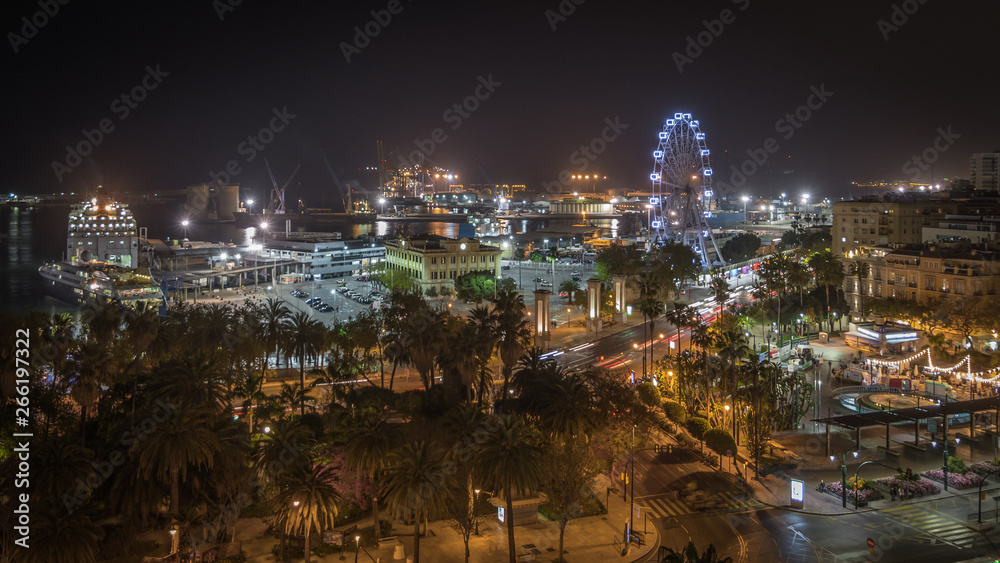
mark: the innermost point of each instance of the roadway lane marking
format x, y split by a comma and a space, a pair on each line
939, 526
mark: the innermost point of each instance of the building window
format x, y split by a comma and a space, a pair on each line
452, 259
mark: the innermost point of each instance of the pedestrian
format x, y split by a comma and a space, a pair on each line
892, 492
822, 485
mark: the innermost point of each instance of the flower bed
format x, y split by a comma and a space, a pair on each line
985, 468
958, 480
865, 495
919, 486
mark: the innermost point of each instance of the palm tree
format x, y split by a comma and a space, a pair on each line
194, 379
690, 554
417, 484
861, 270
367, 443
569, 287
60, 464
142, 324
305, 337
512, 333
58, 535
184, 440
308, 501
511, 461
462, 425
798, 278
829, 271
422, 336
680, 317
274, 315
651, 307
280, 447
93, 369
482, 321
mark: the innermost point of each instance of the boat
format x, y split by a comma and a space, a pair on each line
102, 257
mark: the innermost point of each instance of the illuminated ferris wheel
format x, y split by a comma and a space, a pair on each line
682, 189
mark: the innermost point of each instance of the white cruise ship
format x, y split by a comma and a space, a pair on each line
102, 258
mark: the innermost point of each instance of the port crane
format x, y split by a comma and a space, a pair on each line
277, 204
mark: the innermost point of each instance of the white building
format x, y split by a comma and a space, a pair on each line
324, 255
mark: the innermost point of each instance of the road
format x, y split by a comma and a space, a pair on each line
748, 531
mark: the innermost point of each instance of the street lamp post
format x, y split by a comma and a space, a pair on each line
250, 206
843, 476
474, 515
746, 199
185, 224
357, 547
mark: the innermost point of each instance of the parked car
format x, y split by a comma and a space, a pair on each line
576, 274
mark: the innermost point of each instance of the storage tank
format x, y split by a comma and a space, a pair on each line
227, 201
196, 206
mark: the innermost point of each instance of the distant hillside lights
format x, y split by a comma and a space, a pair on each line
30, 27
121, 106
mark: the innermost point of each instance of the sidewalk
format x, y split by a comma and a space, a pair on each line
595, 538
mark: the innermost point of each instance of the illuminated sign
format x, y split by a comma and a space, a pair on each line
500, 513
798, 493
901, 336
869, 333
628, 309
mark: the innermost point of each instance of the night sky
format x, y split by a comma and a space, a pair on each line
226, 76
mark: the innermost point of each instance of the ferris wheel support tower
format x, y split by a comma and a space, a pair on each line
682, 189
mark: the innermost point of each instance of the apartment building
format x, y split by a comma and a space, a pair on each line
859, 225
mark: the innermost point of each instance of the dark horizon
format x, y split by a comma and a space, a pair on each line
214, 76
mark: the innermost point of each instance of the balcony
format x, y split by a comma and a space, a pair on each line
913, 284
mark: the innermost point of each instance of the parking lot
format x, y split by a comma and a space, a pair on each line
344, 298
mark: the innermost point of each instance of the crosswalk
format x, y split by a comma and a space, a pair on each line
667, 507
935, 528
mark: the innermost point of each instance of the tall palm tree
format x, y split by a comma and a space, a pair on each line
680, 317
308, 501
142, 324
423, 335
367, 443
510, 461
274, 316
482, 321
305, 337
651, 306
183, 441
860, 270
462, 425
829, 271
798, 279
417, 484
513, 334
93, 369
